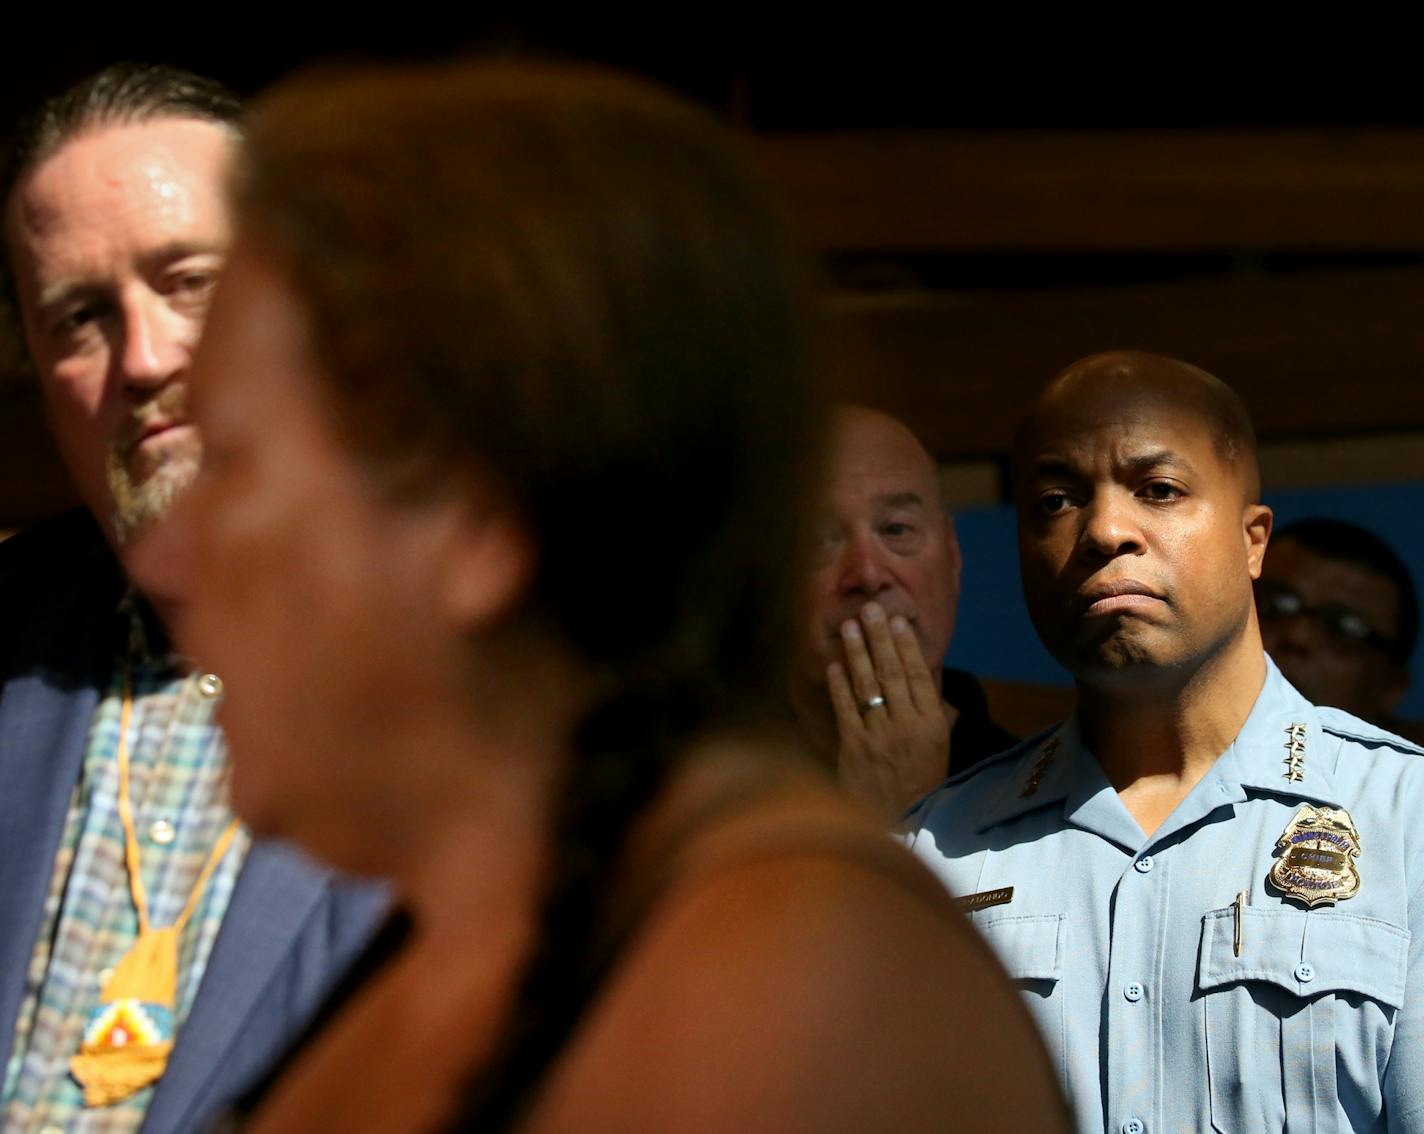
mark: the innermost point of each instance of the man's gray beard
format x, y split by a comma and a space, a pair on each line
138, 505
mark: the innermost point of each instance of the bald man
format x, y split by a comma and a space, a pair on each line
1208, 888
876, 614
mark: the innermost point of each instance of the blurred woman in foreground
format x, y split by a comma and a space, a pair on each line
508, 424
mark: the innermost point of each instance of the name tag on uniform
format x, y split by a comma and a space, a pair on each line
985, 899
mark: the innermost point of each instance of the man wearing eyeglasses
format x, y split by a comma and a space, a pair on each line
1339, 615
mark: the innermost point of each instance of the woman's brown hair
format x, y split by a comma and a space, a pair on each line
573, 281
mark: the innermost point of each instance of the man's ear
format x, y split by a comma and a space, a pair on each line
1256, 528
489, 564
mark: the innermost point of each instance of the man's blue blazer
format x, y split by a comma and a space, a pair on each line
292, 927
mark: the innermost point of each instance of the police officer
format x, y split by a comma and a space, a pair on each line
1208, 888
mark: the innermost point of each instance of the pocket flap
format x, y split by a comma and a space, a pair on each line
1306, 952
1030, 947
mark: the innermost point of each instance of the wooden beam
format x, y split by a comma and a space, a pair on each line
1122, 190
1378, 458
1312, 355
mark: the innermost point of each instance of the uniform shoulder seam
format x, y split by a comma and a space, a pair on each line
998, 760
1371, 736
1007, 755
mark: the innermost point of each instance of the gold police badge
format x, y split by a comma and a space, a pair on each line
1318, 866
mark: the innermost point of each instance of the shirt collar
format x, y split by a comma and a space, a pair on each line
1279, 749
1067, 774
146, 638
1043, 774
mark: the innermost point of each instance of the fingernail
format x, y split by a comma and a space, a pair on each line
850, 629
898, 624
871, 612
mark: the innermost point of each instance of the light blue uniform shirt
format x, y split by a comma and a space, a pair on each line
1125, 945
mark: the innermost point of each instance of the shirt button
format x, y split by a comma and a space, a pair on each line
161, 832
1134, 1126
210, 685
1304, 972
1133, 991
1144, 864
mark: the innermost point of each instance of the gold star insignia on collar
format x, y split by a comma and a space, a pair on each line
1045, 760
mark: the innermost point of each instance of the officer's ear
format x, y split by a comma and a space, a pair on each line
1256, 522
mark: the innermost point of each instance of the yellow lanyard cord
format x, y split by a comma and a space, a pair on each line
131, 852
127, 1041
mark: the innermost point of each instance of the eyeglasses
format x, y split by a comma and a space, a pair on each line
1343, 627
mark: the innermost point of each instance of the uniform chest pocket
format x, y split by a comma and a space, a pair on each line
1032, 949
1298, 1027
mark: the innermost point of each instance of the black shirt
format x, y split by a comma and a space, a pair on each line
975, 736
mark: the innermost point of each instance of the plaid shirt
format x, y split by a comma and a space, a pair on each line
178, 773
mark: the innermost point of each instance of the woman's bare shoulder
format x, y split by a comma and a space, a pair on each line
802, 971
